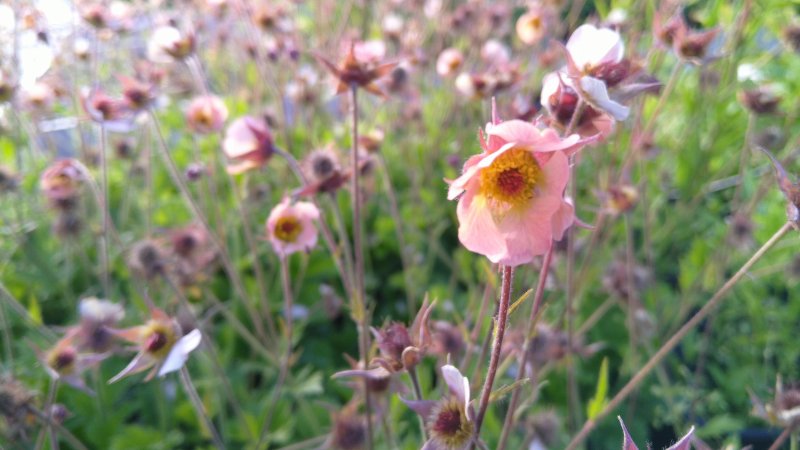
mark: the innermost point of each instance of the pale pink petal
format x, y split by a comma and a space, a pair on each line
432, 444
140, 363
556, 174
477, 230
590, 47
525, 134
595, 93
563, 219
180, 352
422, 407
458, 185
528, 233
378, 373
457, 383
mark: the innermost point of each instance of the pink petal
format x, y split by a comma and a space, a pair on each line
457, 383
477, 230
140, 362
563, 219
590, 46
528, 233
627, 441
180, 352
422, 407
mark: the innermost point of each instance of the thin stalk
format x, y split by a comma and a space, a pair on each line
360, 304
199, 409
344, 240
65, 433
508, 424
412, 373
497, 344
288, 298
394, 210
782, 437
106, 212
48, 412
712, 303
198, 213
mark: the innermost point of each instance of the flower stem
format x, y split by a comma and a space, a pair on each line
106, 212
412, 373
288, 298
359, 295
508, 424
497, 344
227, 264
665, 349
186, 380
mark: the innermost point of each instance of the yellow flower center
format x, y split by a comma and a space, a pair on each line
159, 337
511, 179
287, 228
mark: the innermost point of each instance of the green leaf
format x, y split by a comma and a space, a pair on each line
34, 310
507, 389
600, 399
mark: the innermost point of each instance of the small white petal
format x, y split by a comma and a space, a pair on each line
180, 352
595, 93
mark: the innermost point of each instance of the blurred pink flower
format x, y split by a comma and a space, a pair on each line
290, 227
560, 98
511, 197
206, 114
248, 144
38, 97
168, 44
160, 345
66, 363
449, 61
533, 25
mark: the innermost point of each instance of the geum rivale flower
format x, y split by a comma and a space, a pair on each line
160, 346
450, 420
627, 442
511, 204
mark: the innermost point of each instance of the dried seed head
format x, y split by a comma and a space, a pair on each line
393, 339
146, 259
349, 432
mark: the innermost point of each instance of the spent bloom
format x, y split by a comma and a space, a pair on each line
206, 114
97, 319
684, 443
784, 410
248, 144
160, 346
61, 182
511, 202
533, 25
449, 421
66, 363
290, 227
360, 67
401, 347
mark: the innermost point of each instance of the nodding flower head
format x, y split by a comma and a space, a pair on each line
169, 44
60, 183
248, 144
160, 344
290, 227
348, 430
533, 25
511, 204
97, 319
65, 362
206, 114
449, 62
323, 171
147, 259
449, 421
784, 410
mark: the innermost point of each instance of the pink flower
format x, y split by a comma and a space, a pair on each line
533, 25
449, 61
206, 114
160, 345
511, 197
684, 443
560, 98
168, 44
594, 61
290, 227
65, 362
247, 144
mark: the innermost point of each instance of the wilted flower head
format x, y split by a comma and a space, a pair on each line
115, 114
360, 67
290, 227
206, 114
60, 183
784, 410
248, 144
761, 100
621, 198
168, 44
147, 259
685, 443
674, 32
449, 421
137, 94
323, 171
449, 61
511, 196
160, 346
402, 347
348, 430
97, 319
